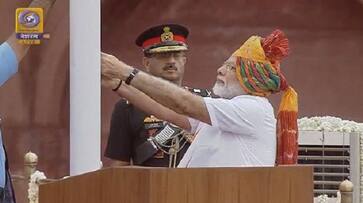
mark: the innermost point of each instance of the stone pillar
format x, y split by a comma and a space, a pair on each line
346, 191
30, 164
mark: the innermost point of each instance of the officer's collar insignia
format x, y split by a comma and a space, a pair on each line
167, 35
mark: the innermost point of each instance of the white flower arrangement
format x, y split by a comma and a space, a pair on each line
329, 123
325, 199
322, 199
34, 186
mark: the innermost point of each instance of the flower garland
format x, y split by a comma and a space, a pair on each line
34, 186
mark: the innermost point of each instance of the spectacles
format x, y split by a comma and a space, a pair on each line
230, 67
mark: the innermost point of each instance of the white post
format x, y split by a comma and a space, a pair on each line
85, 86
355, 164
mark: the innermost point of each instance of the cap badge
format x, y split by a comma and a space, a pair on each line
167, 35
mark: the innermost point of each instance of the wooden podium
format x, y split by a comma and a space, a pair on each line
286, 184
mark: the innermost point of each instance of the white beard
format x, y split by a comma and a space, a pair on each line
227, 91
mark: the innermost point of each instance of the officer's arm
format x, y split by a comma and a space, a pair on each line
162, 91
21, 49
146, 104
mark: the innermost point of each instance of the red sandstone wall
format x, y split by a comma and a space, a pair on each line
325, 65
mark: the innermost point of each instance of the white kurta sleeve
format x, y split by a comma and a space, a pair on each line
235, 115
193, 124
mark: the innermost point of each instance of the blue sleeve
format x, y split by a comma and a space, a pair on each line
8, 62
2, 164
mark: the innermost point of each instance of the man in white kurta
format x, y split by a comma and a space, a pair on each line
242, 133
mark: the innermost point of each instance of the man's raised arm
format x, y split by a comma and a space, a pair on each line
164, 92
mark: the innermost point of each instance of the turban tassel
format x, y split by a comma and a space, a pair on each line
287, 130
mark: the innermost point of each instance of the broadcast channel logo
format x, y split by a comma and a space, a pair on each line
29, 25
29, 18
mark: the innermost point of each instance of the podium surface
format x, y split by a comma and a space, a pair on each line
283, 184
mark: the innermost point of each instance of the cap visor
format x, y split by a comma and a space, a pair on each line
167, 49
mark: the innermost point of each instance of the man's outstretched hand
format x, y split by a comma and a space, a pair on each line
113, 70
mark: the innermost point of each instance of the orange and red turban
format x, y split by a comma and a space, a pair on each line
258, 72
